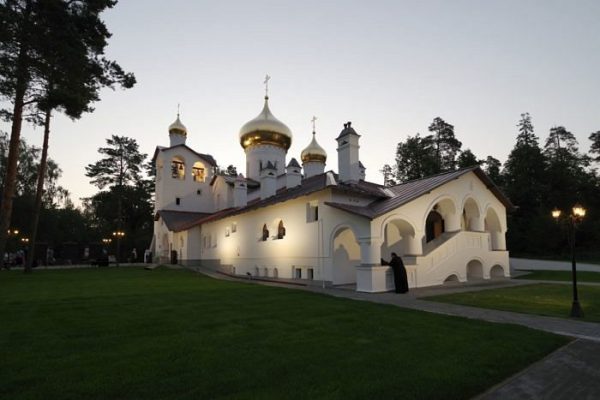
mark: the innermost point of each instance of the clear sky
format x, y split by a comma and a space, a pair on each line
390, 67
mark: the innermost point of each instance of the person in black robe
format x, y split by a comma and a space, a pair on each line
400, 279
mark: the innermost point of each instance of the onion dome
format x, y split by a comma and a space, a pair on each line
177, 127
265, 129
313, 152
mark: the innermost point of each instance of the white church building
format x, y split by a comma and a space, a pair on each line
283, 220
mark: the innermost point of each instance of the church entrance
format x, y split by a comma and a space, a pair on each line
345, 257
434, 226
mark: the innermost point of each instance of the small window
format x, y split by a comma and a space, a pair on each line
265, 233
312, 211
234, 227
298, 273
227, 232
311, 273
177, 200
280, 230
199, 192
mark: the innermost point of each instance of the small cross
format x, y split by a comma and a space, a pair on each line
266, 82
313, 120
177, 110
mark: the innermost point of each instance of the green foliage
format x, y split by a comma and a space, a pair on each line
121, 165
54, 194
595, 147
165, 334
415, 158
127, 203
467, 159
446, 145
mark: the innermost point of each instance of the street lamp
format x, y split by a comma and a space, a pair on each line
572, 220
119, 235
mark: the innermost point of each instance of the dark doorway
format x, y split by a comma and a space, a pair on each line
434, 226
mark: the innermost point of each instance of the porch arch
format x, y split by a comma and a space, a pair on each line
494, 227
474, 270
471, 215
399, 237
345, 255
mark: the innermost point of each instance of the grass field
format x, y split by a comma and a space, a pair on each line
172, 334
582, 276
541, 299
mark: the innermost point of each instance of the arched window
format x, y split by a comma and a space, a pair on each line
434, 226
178, 168
280, 230
198, 173
265, 233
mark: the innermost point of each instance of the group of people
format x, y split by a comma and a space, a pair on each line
400, 279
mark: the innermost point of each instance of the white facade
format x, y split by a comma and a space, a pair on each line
326, 228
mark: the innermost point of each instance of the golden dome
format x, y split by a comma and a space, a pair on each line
265, 129
313, 152
177, 127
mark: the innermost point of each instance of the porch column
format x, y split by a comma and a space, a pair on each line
477, 224
371, 275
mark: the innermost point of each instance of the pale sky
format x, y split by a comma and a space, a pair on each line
390, 67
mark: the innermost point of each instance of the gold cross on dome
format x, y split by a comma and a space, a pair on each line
314, 120
266, 82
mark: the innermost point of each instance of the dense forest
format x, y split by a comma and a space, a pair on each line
536, 177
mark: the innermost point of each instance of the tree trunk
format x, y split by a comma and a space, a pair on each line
37, 208
10, 180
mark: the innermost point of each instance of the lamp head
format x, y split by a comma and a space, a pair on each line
556, 213
578, 211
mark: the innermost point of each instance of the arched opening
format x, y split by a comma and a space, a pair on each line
346, 257
178, 168
275, 273
471, 216
280, 230
256, 271
497, 272
451, 279
434, 226
474, 270
266, 271
493, 226
265, 233
198, 172
164, 248
398, 237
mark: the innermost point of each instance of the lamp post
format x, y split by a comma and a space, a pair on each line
572, 220
118, 235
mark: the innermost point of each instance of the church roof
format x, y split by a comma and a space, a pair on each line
408, 191
176, 220
207, 157
385, 199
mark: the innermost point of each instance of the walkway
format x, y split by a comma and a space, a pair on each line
531, 264
571, 372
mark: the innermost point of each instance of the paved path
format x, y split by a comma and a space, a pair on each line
571, 372
531, 264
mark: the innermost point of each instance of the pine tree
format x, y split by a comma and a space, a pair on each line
467, 159
446, 145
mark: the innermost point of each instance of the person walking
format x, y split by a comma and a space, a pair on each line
400, 279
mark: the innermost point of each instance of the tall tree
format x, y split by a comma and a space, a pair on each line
415, 158
595, 147
492, 167
524, 180
467, 159
128, 190
447, 146
51, 55
388, 174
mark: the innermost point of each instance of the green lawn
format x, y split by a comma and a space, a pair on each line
582, 276
542, 299
133, 334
